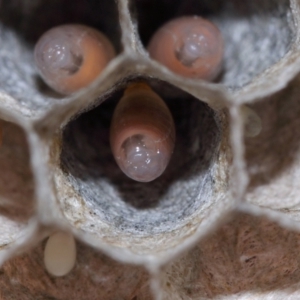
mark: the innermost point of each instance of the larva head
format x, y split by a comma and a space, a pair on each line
142, 134
70, 57
189, 46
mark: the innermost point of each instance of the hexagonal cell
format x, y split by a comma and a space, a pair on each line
273, 156
248, 254
98, 198
17, 200
256, 34
25, 277
22, 23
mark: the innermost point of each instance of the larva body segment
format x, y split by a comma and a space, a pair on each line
70, 57
189, 46
142, 133
60, 254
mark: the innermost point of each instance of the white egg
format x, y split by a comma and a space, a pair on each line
252, 121
60, 254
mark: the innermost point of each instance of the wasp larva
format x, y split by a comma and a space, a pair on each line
142, 133
70, 57
189, 46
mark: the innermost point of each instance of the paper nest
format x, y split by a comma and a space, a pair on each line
223, 220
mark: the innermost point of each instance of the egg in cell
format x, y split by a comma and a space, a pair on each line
142, 133
60, 253
70, 57
252, 121
189, 46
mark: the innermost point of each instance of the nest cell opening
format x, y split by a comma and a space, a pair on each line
21, 25
97, 273
17, 201
248, 255
142, 209
273, 156
256, 34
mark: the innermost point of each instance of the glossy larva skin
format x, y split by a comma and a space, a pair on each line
70, 57
189, 46
60, 254
142, 133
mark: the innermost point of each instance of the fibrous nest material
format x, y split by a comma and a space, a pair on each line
223, 220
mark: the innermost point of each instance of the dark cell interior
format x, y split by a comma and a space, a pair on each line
256, 33
144, 208
17, 200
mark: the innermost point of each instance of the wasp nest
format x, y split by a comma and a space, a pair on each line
220, 223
